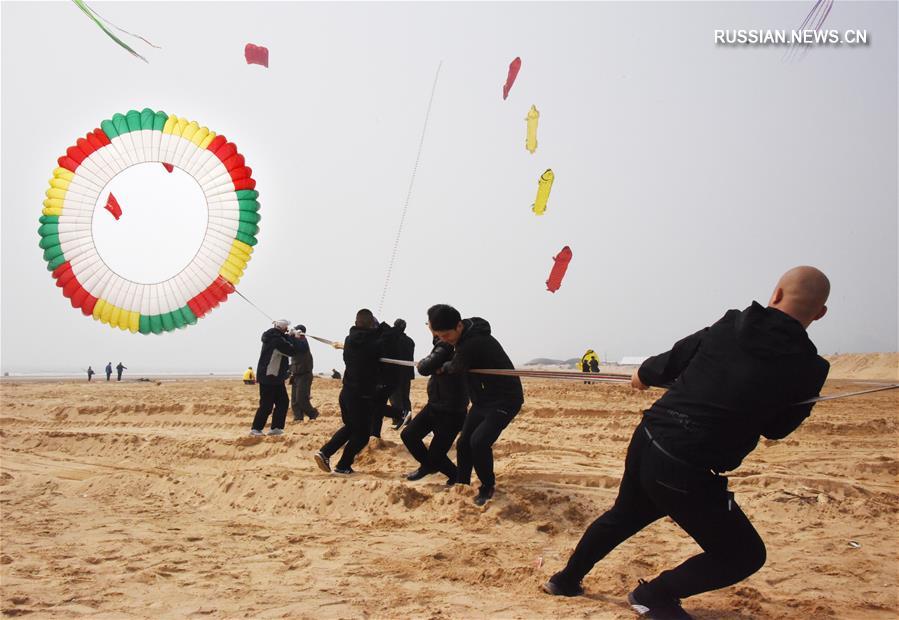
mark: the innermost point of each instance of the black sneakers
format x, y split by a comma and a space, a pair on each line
485, 494
323, 462
559, 587
654, 606
346, 471
418, 474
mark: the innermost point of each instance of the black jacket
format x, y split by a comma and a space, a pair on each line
447, 393
398, 346
406, 348
478, 349
301, 360
274, 357
735, 381
361, 350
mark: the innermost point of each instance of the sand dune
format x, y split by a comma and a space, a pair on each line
868, 366
139, 500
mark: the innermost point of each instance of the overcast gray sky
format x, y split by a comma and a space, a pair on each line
688, 176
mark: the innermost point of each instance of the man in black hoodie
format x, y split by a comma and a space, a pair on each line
390, 379
301, 377
733, 382
443, 415
495, 400
271, 372
361, 350
399, 399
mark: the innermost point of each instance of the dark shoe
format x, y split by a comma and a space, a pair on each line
397, 422
297, 418
312, 414
346, 471
558, 587
654, 606
485, 494
418, 474
323, 462
450, 482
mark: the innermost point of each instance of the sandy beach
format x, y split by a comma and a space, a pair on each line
146, 499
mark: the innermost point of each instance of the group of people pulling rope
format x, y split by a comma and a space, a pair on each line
753, 373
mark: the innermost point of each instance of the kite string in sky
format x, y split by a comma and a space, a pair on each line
399, 231
102, 22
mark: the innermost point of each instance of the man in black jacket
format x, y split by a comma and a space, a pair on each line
495, 400
390, 378
361, 350
301, 378
443, 415
399, 399
271, 372
732, 382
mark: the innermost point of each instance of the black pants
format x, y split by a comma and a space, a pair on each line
399, 398
480, 431
119, 377
445, 425
356, 414
271, 395
300, 391
654, 485
382, 409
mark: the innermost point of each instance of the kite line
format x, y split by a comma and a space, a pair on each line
399, 231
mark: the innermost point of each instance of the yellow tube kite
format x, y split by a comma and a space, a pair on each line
532, 118
544, 185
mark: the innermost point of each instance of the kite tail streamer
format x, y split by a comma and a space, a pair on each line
99, 21
396, 241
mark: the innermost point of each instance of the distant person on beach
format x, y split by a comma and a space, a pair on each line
301, 378
90, 373
335, 374
108, 370
277, 346
119, 368
732, 383
443, 415
249, 377
495, 400
362, 348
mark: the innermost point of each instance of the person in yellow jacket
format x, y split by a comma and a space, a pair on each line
249, 378
589, 362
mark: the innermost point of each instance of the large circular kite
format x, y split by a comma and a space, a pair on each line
67, 227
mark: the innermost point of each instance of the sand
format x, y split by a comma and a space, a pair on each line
137, 500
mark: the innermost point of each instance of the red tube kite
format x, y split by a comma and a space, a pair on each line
560, 266
112, 205
514, 68
256, 55
168, 167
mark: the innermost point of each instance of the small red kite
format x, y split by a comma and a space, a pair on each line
112, 205
168, 167
560, 266
256, 55
514, 68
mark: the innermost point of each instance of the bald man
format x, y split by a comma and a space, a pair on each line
730, 384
